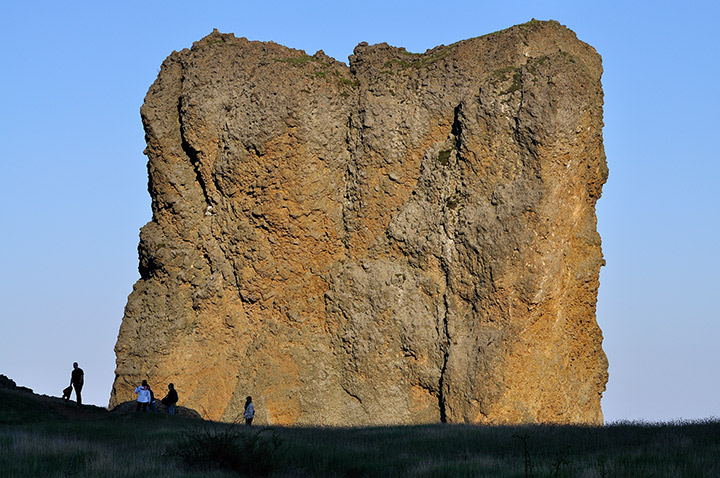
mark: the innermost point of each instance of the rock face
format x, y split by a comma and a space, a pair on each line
409, 239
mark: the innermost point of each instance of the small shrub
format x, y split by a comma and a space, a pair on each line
400, 63
526, 454
502, 75
516, 84
346, 82
244, 452
444, 157
296, 60
452, 202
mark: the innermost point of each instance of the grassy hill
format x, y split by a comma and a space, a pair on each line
46, 437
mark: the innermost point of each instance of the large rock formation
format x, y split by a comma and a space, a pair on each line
408, 239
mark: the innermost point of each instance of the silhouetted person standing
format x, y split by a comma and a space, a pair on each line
249, 411
170, 399
77, 379
152, 406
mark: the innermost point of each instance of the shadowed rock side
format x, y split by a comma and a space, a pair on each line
411, 239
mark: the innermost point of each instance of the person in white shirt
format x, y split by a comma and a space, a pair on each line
143, 392
249, 411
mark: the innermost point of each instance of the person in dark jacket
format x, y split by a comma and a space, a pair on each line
152, 406
170, 399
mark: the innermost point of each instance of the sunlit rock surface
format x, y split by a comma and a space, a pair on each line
409, 239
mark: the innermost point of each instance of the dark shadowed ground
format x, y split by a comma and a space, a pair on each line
46, 437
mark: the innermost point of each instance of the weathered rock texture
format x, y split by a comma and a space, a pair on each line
408, 239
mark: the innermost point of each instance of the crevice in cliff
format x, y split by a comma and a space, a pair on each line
358, 399
448, 226
445, 344
350, 180
193, 156
456, 128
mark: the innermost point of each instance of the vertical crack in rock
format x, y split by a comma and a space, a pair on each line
449, 236
409, 238
192, 155
350, 181
445, 346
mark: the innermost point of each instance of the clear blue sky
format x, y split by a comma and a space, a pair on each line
74, 191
